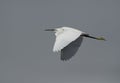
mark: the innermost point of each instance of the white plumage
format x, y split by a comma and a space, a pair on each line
68, 41
65, 37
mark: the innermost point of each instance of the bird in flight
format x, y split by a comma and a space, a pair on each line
68, 41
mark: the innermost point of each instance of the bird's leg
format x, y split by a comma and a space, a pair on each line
97, 38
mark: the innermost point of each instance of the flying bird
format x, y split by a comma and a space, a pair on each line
68, 41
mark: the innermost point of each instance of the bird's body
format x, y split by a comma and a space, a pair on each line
65, 37
68, 40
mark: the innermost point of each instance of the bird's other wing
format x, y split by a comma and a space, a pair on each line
64, 39
71, 49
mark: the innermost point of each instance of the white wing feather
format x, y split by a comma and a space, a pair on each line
65, 38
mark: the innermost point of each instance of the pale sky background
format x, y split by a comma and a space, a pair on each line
26, 49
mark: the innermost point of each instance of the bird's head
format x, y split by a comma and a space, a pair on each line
59, 31
55, 30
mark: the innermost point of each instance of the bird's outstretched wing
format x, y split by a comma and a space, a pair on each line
64, 39
70, 50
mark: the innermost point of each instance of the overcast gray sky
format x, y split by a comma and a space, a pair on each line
26, 50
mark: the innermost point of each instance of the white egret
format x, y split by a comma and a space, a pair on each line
68, 40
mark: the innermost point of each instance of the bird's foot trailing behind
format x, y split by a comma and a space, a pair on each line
101, 38
97, 38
